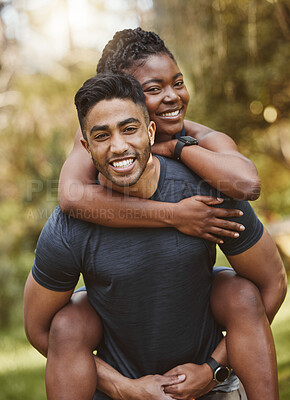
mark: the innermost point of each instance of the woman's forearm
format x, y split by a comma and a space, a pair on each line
217, 160
232, 175
95, 203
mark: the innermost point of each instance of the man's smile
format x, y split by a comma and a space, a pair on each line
124, 165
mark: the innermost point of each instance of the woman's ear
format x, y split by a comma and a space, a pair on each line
151, 132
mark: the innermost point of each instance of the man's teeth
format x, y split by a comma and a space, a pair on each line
122, 164
170, 114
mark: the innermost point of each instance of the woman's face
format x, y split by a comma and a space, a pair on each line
166, 94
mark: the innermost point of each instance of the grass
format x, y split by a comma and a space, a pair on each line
281, 332
22, 368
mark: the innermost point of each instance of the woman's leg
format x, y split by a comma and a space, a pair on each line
75, 332
237, 305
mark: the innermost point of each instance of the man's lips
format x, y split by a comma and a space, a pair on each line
124, 164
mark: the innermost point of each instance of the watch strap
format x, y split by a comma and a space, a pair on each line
178, 148
181, 142
217, 369
213, 363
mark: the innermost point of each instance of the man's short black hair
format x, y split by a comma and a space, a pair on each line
108, 86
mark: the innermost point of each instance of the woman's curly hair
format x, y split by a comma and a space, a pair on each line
128, 47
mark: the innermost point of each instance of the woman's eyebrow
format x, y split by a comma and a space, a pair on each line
152, 80
155, 80
177, 75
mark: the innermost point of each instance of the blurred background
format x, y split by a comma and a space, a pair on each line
235, 55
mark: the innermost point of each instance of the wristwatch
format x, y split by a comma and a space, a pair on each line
220, 372
181, 142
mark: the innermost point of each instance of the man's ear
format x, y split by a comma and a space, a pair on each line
85, 144
151, 132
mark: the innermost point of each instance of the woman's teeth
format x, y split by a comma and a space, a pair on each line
170, 114
122, 164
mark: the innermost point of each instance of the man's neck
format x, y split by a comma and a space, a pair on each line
146, 185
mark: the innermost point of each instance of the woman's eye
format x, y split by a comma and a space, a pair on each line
179, 83
153, 89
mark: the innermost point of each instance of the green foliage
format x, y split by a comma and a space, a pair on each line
235, 53
38, 134
281, 332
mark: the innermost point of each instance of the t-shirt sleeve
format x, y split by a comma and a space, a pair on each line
55, 265
252, 233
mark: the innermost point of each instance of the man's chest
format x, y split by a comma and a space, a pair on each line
145, 256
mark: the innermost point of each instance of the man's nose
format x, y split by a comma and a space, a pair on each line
119, 144
171, 95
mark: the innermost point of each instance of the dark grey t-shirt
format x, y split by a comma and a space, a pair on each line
150, 286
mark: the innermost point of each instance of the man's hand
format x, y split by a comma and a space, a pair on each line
150, 387
199, 381
195, 217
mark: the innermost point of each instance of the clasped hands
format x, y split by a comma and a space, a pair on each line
184, 382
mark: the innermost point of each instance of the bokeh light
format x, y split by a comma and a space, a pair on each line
256, 107
270, 114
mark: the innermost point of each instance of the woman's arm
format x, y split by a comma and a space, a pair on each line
80, 197
217, 160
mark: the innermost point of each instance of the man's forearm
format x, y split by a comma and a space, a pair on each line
220, 353
110, 381
118, 387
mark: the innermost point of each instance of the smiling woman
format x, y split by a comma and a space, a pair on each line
166, 94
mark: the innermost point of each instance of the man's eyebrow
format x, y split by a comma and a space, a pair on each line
96, 128
128, 121
99, 128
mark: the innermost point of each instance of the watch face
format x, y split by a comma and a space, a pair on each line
188, 140
222, 374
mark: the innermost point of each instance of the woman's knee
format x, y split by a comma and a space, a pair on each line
234, 296
75, 324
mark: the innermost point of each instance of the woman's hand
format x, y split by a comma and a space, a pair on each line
194, 216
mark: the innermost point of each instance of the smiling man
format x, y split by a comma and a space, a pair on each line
151, 287
121, 159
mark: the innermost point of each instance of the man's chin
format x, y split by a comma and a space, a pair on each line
124, 182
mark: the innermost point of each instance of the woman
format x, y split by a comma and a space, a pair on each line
235, 301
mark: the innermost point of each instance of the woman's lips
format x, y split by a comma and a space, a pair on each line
171, 115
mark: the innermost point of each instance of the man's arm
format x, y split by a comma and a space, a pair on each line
119, 387
262, 265
40, 306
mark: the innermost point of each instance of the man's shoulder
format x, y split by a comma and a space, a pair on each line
175, 172
60, 225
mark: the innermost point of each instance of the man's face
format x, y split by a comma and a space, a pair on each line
119, 140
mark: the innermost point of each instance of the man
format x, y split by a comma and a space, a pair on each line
151, 287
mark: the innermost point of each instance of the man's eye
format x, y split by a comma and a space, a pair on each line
130, 129
101, 136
